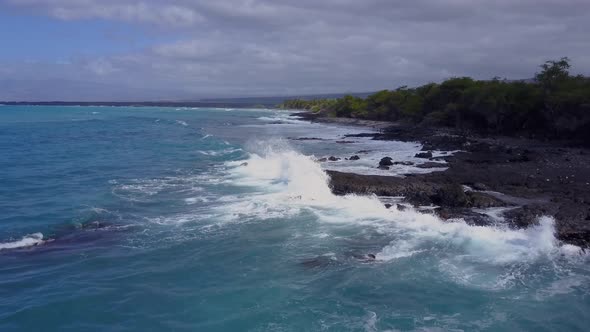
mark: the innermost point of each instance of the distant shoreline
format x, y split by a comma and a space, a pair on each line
137, 104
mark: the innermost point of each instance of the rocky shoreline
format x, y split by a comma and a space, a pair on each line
524, 179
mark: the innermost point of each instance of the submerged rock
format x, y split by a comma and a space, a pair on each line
332, 158
355, 157
317, 262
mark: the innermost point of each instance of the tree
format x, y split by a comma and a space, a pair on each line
553, 73
557, 105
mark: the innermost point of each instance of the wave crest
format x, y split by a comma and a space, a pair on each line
290, 182
27, 241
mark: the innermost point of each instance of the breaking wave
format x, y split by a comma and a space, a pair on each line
289, 182
216, 153
27, 241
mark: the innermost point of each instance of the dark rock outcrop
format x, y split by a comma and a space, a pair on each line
538, 178
386, 161
306, 138
425, 155
431, 165
479, 186
451, 195
469, 216
415, 190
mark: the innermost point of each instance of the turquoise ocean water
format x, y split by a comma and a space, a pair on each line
164, 219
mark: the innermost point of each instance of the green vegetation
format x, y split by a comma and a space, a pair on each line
555, 105
315, 105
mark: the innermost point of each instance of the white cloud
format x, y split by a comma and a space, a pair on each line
171, 15
191, 49
101, 67
267, 47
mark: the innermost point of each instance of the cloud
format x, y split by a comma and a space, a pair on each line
264, 47
169, 15
101, 67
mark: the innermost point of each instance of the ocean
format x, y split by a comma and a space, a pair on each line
183, 219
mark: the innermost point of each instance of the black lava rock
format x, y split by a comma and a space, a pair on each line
386, 161
424, 155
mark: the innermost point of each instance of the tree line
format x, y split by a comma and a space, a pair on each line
553, 105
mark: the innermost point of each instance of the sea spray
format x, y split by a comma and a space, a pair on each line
27, 241
292, 181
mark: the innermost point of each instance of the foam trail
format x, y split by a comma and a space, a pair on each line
216, 153
27, 241
291, 182
489, 244
284, 119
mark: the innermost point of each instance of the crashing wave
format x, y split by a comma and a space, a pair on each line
30, 240
290, 182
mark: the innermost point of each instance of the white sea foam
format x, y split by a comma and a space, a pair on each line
343, 146
195, 200
216, 153
27, 241
371, 322
181, 218
566, 285
281, 119
290, 182
140, 190
496, 213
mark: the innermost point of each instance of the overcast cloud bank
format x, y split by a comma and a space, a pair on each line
292, 47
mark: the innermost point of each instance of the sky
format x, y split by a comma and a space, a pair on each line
126, 50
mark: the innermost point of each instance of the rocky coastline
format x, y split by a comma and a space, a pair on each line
523, 179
